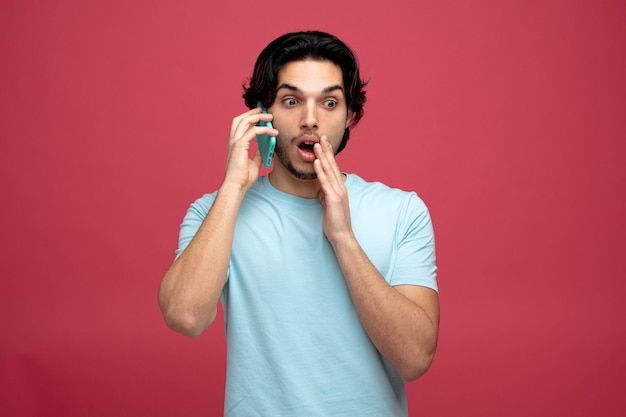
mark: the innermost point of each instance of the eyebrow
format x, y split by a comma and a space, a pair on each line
295, 89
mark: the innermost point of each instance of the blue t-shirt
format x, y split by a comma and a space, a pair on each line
295, 344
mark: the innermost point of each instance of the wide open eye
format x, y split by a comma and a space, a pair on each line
290, 101
330, 103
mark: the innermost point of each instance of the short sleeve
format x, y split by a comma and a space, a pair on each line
194, 217
415, 257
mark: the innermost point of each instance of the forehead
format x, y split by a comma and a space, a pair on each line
310, 75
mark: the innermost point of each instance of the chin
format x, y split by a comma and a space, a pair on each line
301, 175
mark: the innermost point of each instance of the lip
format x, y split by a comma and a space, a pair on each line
305, 155
307, 138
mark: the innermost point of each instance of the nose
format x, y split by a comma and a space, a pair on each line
309, 116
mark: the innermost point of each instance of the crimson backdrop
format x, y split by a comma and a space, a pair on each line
507, 117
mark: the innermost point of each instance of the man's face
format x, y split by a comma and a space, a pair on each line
310, 102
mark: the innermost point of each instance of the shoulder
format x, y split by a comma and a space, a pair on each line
202, 205
378, 194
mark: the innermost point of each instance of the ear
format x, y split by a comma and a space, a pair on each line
348, 118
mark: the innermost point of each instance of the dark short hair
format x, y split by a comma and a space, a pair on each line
299, 46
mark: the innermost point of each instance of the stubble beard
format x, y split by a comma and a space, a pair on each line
281, 155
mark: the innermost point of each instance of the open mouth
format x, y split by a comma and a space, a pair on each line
306, 146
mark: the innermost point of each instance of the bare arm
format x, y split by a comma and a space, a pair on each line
191, 287
401, 321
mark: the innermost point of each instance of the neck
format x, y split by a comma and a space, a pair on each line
295, 186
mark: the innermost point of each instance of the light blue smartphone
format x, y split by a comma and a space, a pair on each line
266, 143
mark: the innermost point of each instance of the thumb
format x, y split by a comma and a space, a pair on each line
257, 159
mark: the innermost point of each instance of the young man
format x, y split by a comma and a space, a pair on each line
328, 282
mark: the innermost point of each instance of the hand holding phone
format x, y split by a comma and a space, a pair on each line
266, 143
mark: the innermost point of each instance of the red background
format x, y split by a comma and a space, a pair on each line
507, 117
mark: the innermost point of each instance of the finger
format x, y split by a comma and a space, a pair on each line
257, 160
238, 120
326, 155
244, 142
330, 187
247, 122
319, 170
244, 138
321, 177
240, 147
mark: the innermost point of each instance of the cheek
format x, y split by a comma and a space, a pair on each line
339, 127
283, 131
281, 123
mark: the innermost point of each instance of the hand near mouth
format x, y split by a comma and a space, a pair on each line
333, 193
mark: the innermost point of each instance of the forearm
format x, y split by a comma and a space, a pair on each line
191, 287
402, 330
